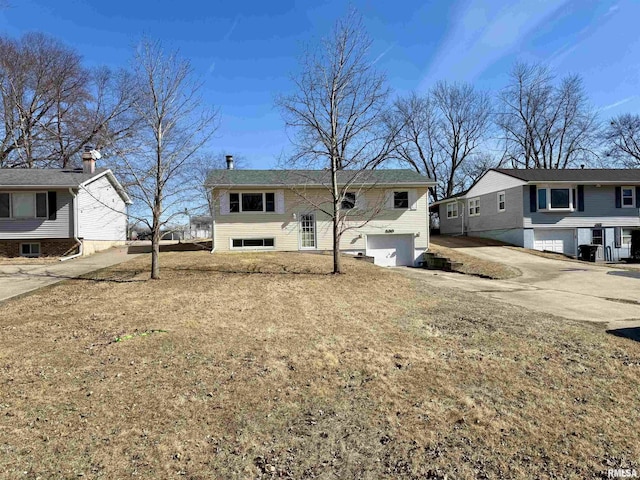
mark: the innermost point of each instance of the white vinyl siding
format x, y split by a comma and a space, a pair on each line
285, 227
102, 214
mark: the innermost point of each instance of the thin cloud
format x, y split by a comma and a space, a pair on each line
232, 28
483, 33
612, 9
618, 103
387, 50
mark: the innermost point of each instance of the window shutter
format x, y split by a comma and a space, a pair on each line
533, 198
361, 201
224, 202
637, 197
280, 201
581, 198
388, 200
617, 233
413, 200
52, 200
618, 197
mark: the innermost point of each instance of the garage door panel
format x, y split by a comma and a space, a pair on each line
555, 240
390, 250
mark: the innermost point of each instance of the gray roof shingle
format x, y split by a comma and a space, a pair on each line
573, 174
36, 177
314, 177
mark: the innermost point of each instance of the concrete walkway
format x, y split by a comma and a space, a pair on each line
17, 279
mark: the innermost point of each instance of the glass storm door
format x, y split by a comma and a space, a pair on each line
307, 230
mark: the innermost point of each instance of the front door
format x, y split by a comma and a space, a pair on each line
307, 231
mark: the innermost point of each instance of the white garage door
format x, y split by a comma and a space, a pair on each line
559, 240
390, 250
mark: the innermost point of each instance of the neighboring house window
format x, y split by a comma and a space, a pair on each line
30, 249
452, 210
349, 201
5, 205
501, 201
401, 200
252, 243
252, 202
628, 197
626, 236
596, 236
23, 205
474, 207
557, 198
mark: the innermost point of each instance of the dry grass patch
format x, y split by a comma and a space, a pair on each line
267, 366
476, 266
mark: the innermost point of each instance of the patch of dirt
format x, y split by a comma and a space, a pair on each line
267, 366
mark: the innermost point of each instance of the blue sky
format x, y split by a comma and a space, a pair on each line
246, 51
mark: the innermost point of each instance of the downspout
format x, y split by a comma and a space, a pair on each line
75, 226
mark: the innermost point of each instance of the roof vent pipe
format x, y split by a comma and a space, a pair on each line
582, 166
229, 162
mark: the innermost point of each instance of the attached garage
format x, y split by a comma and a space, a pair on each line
560, 240
391, 250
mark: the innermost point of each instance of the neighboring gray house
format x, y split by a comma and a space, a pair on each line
554, 210
54, 212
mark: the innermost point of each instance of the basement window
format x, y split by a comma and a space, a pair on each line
252, 243
31, 250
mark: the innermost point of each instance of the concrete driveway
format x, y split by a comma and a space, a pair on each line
570, 289
17, 279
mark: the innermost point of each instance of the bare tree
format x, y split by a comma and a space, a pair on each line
338, 114
157, 160
546, 125
622, 138
51, 106
441, 134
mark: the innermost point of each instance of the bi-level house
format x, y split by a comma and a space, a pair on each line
386, 212
62, 213
554, 210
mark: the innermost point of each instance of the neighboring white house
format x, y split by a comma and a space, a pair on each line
200, 226
55, 212
554, 210
386, 212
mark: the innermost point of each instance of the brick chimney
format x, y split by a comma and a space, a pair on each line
229, 162
88, 162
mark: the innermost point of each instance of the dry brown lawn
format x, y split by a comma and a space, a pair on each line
265, 366
476, 266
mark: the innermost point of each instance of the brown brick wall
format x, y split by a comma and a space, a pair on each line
48, 247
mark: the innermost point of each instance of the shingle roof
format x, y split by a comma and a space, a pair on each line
36, 177
314, 177
573, 174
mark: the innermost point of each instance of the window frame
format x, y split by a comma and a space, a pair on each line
504, 201
633, 196
30, 254
256, 247
406, 192
601, 236
35, 215
548, 200
628, 236
264, 202
473, 207
452, 204
344, 199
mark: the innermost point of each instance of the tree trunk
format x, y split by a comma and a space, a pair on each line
337, 265
155, 251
